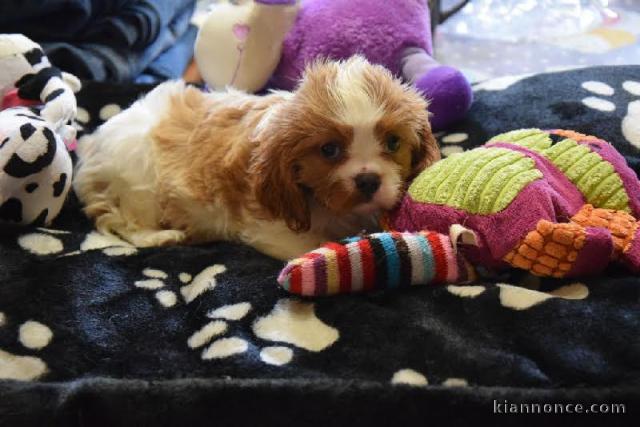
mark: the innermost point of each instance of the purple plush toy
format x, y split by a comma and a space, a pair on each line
267, 43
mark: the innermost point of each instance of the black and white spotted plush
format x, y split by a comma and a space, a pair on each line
36, 166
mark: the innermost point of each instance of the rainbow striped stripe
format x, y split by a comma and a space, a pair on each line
377, 261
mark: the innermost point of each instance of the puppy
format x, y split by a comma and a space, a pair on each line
283, 172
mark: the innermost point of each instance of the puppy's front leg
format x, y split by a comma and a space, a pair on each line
278, 241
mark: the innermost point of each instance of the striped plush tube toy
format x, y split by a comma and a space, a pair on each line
379, 261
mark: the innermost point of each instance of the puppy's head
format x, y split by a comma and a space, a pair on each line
350, 137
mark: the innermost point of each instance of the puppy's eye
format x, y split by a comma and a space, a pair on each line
331, 150
392, 143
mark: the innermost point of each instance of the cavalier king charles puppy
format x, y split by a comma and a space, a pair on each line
283, 172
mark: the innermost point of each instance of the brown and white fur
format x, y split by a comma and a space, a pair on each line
185, 166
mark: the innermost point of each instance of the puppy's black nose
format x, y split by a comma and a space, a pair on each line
367, 183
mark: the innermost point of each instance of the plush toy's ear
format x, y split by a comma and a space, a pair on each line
14, 64
73, 82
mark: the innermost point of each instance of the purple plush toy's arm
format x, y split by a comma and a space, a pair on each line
447, 89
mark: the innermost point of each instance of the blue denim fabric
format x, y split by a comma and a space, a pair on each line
176, 41
172, 63
105, 40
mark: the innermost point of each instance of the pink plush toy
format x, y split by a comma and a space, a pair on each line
267, 43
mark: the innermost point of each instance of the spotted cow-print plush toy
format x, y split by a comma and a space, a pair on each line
38, 105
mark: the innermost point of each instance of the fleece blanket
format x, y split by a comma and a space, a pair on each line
96, 332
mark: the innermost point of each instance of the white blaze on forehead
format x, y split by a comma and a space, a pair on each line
364, 152
359, 111
357, 106
365, 156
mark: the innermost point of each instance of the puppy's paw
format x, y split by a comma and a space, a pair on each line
150, 238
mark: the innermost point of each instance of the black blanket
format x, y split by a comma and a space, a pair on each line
100, 333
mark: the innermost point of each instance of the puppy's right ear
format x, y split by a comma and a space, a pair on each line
426, 152
273, 170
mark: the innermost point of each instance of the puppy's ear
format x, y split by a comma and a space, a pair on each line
426, 152
273, 169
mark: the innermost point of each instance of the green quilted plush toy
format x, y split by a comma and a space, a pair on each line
556, 203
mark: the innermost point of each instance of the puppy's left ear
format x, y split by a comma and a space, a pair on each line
273, 171
426, 152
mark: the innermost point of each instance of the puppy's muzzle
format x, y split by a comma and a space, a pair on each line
367, 184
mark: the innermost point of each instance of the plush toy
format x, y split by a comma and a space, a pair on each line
267, 43
38, 105
556, 203
379, 261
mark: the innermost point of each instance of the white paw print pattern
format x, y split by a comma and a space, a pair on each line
289, 322
521, 298
192, 288
511, 297
106, 112
414, 378
49, 242
109, 111
155, 280
631, 121
33, 336
595, 102
449, 144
